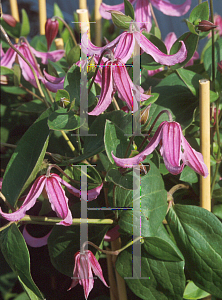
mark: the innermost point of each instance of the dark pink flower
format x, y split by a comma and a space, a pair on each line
85, 265
174, 148
10, 20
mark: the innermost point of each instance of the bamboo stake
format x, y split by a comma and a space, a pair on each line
59, 44
204, 97
121, 285
98, 25
14, 9
42, 16
83, 4
111, 276
84, 21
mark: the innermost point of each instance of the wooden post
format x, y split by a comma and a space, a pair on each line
98, 25
84, 21
204, 97
14, 9
83, 4
59, 44
42, 16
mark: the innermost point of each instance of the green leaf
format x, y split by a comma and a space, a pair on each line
95, 145
69, 45
34, 106
72, 85
176, 96
122, 180
191, 27
16, 254
129, 11
217, 210
73, 55
115, 141
57, 12
63, 120
153, 204
26, 160
193, 292
208, 59
25, 27
217, 194
198, 235
64, 242
6, 71
191, 42
164, 280
61, 94
200, 12
189, 175
12, 31
120, 20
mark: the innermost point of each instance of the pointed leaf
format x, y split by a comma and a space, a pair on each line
63, 120
198, 235
26, 160
16, 254
193, 292
57, 12
200, 12
25, 27
129, 11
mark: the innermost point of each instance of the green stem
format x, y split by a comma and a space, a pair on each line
67, 26
213, 44
130, 142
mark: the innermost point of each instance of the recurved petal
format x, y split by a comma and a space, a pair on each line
29, 201
52, 55
143, 14
85, 273
125, 46
104, 9
33, 241
160, 57
134, 161
106, 91
193, 159
58, 200
97, 270
170, 40
171, 139
94, 193
8, 58
52, 78
172, 9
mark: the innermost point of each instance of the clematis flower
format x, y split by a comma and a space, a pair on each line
143, 13
85, 265
174, 148
169, 41
8, 58
51, 187
124, 46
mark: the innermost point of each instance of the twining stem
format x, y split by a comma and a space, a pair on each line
172, 191
28, 63
116, 252
8, 145
30, 92
153, 15
115, 103
67, 26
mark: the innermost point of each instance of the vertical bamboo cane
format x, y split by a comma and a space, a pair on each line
42, 16
14, 9
84, 20
83, 4
204, 97
59, 44
98, 25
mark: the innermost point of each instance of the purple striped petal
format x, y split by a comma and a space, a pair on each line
8, 58
29, 201
172, 9
53, 87
104, 8
58, 199
94, 193
160, 57
193, 159
97, 270
143, 15
125, 47
106, 91
134, 161
52, 78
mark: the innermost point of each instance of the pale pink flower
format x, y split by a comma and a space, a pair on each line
143, 13
174, 148
85, 265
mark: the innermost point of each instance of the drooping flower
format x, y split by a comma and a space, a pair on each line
174, 148
143, 13
51, 30
8, 58
85, 265
51, 187
124, 46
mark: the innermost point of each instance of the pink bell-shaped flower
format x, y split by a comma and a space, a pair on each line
85, 265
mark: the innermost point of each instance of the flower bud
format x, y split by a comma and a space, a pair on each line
144, 115
205, 25
51, 30
10, 20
